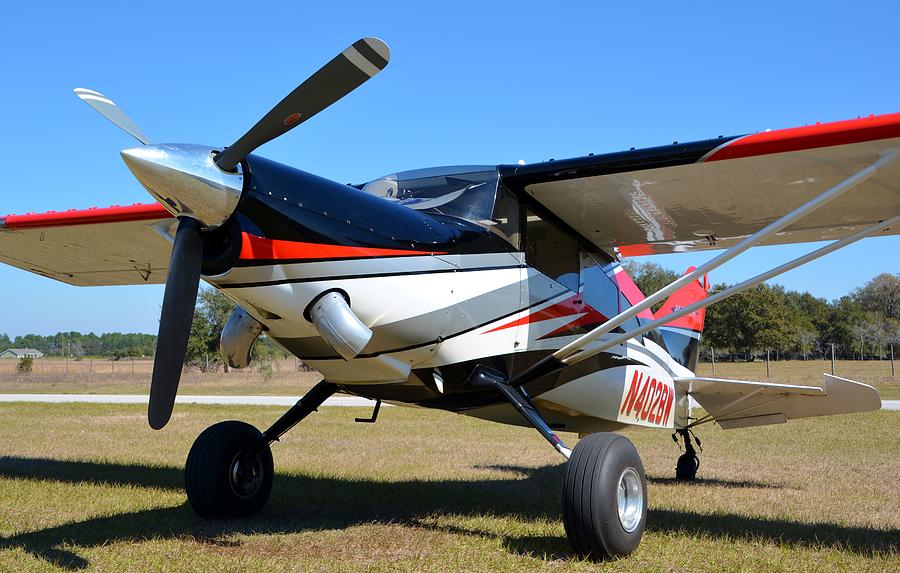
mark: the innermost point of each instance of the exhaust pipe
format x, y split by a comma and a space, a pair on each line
338, 325
237, 338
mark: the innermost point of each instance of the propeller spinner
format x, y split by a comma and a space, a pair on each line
202, 188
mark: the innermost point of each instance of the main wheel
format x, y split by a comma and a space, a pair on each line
217, 483
604, 497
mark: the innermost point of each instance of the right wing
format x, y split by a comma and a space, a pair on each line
741, 404
91, 247
711, 194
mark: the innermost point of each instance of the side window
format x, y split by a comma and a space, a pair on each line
551, 250
506, 219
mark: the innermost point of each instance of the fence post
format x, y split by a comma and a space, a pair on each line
892, 360
712, 352
768, 376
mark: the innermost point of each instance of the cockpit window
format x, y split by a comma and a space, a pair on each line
466, 193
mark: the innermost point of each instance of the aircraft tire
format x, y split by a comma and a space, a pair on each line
215, 487
600, 523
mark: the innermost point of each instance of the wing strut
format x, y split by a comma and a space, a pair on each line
831, 247
575, 351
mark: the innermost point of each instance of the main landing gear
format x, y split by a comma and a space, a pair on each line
605, 488
229, 470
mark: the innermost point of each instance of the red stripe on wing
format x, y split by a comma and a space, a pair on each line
92, 216
870, 128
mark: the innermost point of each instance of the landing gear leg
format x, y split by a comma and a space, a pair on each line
688, 462
229, 470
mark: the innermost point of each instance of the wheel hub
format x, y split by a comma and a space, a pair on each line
630, 499
245, 481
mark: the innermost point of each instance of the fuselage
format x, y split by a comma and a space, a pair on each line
449, 268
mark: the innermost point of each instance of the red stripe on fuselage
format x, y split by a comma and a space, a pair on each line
582, 315
845, 132
254, 247
92, 216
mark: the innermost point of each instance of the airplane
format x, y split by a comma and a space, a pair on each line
494, 291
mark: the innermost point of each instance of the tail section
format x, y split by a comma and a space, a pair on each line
682, 335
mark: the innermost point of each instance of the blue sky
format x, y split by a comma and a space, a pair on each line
468, 83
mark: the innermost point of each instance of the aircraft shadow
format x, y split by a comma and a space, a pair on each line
301, 503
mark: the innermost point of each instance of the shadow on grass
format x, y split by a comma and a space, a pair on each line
727, 483
302, 502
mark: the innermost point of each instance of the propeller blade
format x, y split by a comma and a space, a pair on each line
179, 299
108, 109
347, 71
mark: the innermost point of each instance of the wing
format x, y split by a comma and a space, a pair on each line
740, 404
711, 194
92, 247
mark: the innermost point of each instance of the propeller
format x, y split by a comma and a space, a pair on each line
344, 73
182, 282
108, 109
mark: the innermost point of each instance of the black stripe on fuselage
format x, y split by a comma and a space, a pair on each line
434, 341
362, 276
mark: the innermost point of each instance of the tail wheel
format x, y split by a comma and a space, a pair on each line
217, 482
605, 497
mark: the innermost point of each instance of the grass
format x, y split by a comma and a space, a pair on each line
87, 486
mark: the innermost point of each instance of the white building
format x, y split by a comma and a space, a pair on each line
19, 353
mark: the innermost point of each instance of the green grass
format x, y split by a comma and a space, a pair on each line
91, 487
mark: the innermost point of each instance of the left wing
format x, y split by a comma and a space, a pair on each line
91, 247
711, 194
741, 404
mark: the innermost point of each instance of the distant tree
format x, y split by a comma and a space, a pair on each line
210, 316
754, 320
806, 340
5, 342
880, 295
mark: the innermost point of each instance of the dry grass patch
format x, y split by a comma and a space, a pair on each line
876, 373
284, 382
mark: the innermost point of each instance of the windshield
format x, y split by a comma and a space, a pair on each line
464, 192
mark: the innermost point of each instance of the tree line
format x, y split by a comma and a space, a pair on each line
862, 324
113, 345
210, 315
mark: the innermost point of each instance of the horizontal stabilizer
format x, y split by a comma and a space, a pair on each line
742, 404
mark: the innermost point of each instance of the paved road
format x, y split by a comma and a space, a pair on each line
143, 399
